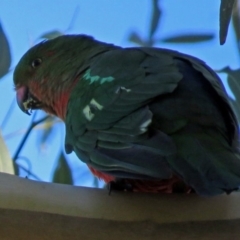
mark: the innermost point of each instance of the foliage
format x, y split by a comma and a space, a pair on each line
62, 173
5, 57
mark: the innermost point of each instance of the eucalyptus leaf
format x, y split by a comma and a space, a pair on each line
6, 163
135, 38
189, 38
62, 173
236, 25
236, 109
233, 80
5, 55
155, 18
52, 34
225, 17
95, 182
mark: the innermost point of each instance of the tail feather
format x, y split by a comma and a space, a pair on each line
206, 163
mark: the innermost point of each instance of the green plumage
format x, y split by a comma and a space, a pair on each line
149, 113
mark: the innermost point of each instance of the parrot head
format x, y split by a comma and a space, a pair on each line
47, 72
30, 78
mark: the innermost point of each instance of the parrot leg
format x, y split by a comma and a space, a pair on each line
173, 185
119, 185
230, 191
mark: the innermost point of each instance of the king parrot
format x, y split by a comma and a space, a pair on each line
147, 118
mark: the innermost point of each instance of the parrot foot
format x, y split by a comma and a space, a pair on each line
174, 185
230, 191
119, 185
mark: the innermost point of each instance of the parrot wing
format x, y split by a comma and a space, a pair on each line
108, 114
151, 113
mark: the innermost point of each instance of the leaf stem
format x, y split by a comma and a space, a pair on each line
33, 124
9, 112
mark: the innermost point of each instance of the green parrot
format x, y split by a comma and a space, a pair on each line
143, 119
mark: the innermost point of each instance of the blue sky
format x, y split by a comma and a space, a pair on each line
109, 21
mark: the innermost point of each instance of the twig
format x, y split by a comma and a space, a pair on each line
9, 112
33, 124
76, 11
29, 173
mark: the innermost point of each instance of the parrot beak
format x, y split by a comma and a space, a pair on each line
26, 101
22, 96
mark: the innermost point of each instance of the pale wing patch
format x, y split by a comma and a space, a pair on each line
123, 89
94, 103
87, 113
96, 78
89, 109
143, 126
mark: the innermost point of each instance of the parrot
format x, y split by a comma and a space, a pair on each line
143, 119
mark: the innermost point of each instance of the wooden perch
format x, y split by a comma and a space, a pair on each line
37, 210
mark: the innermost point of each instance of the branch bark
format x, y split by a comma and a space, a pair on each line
38, 210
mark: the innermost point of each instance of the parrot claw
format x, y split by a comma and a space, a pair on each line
119, 185
228, 192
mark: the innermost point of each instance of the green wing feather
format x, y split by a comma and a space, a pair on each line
151, 113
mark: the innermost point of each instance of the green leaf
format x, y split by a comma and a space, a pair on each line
156, 15
6, 163
16, 168
62, 173
95, 182
233, 80
52, 34
236, 108
5, 55
154, 23
225, 16
75, 14
135, 38
236, 24
189, 38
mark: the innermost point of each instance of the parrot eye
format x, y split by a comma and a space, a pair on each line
36, 62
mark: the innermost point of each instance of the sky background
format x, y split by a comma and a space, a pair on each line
109, 21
